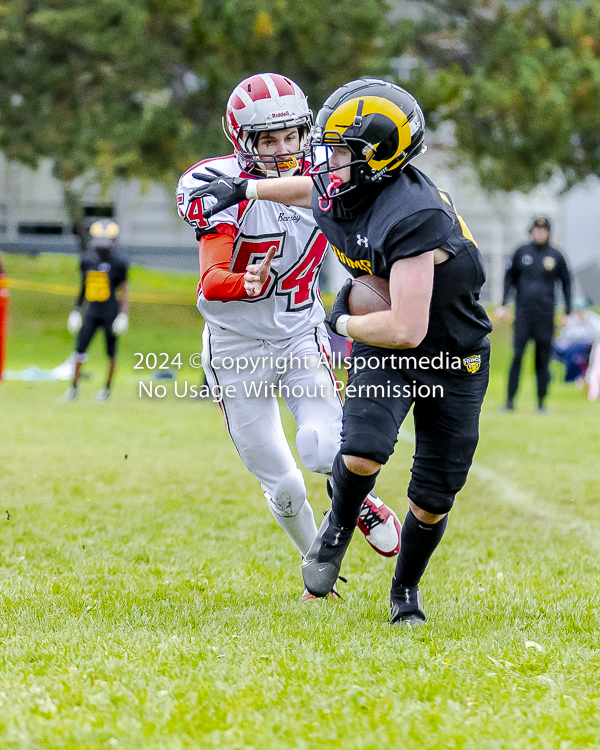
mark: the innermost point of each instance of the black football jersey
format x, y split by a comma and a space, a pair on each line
101, 279
533, 271
408, 217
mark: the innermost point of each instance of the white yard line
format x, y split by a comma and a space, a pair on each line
507, 492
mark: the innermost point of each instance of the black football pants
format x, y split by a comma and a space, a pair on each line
541, 330
378, 399
91, 322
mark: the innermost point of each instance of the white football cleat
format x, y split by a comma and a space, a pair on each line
102, 396
70, 394
380, 525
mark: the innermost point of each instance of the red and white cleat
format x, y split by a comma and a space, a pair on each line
308, 597
380, 525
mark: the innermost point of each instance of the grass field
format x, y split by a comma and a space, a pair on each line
149, 600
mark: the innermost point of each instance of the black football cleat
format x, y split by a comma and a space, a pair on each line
322, 563
407, 607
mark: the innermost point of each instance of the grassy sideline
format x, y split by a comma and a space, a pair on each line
148, 599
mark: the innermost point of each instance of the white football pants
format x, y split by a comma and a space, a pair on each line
252, 417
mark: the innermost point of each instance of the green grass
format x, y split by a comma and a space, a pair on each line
149, 600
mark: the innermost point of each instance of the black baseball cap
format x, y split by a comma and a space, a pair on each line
541, 221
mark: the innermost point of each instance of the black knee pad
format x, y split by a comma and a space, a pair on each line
371, 445
370, 423
437, 476
430, 500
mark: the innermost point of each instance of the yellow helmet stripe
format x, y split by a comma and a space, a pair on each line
344, 116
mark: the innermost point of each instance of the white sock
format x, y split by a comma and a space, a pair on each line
300, 528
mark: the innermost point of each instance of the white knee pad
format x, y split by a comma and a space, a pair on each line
317, 450
288, 496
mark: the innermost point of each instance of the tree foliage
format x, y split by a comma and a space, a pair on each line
137, 88
521, 85
319, 44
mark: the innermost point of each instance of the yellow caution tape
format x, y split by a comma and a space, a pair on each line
149, 297
71, 291
38, 286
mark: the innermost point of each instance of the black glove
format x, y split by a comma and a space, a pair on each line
227, 190
340, 307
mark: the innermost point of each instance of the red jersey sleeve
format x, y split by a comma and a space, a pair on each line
216, 280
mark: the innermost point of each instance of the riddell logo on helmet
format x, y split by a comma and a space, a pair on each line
281, 114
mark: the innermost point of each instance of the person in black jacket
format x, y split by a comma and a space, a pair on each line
533, 272
384, 217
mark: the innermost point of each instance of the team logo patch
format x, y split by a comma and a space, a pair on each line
527, 260
472, 363
549, 262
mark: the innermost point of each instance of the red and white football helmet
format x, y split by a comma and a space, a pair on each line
266, 101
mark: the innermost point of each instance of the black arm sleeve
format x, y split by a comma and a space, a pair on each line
123, 270
417, 234
565, 278
509, 280
80, 298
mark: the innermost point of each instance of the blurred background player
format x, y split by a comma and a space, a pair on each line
258, 294
533, 272
103, 273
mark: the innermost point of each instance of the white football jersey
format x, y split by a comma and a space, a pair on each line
290, 303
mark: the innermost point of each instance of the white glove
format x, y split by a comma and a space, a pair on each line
121, 324
74, 321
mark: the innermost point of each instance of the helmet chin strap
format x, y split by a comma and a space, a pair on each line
335, 181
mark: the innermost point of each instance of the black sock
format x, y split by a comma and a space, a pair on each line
349, 491
418, 543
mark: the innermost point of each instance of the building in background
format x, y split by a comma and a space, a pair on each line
152, 234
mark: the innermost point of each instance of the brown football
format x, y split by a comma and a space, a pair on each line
369, 294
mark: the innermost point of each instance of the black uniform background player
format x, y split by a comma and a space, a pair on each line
102, 274
386, 218
533, 272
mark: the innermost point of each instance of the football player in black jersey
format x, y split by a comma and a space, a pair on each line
386, 218
533, 272
102, 274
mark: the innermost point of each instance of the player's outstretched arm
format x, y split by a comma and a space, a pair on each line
293, 191
229, 191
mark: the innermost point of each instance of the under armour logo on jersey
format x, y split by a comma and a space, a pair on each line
360, 240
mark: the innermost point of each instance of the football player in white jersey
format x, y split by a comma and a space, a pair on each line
264, 333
